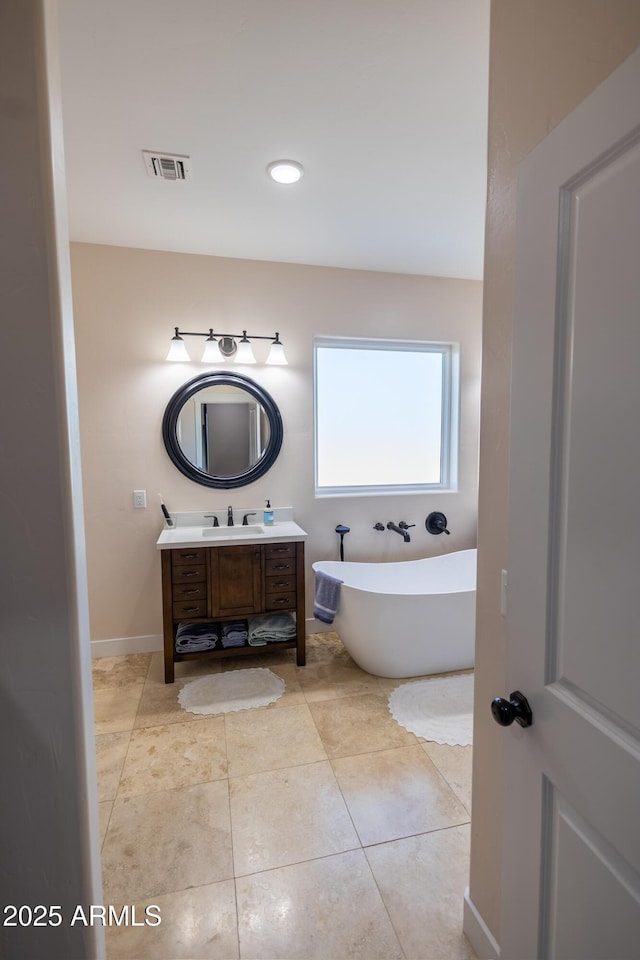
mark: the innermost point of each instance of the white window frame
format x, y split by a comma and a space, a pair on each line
450, 411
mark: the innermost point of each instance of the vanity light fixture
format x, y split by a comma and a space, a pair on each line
285, 171
227, 346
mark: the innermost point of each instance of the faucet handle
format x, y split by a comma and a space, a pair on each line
378, 526
405, 526
244, 519
215, 519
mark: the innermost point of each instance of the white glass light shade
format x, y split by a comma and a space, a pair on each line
178, 351
276, 354
211, 352
244, 352
285, 171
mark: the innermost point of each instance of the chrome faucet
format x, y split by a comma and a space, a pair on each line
229, 517
402, 529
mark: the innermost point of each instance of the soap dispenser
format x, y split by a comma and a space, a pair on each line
267, 516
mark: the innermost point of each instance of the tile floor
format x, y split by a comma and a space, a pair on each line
316, 827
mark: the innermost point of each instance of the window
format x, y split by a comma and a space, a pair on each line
386, 416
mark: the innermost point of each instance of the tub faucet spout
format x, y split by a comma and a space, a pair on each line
403, 532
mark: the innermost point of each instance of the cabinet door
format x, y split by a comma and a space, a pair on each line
236, 580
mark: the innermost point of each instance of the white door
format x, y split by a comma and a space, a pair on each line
572, 780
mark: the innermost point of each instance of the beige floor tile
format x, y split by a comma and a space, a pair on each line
260, 740
178, 755
454, 763
115, 708
330, 680
321, 909
396, 793
185, 669
159, 705
167, 841
287, 816
354, 725
196, 924
114, 671
111, 750
104, 813
422, 881
326, 647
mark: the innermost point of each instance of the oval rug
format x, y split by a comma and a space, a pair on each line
235, 690
438, 709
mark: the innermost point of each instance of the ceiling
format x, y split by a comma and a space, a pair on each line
384, 102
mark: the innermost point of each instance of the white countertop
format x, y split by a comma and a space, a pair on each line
190, 535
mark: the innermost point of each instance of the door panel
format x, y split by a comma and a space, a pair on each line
585, 869
571, 866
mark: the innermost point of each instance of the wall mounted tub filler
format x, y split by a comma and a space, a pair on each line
341, 529
436, 523
402, 528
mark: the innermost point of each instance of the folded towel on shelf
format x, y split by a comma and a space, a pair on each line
327, 598
234, 633
271, 628
192, 637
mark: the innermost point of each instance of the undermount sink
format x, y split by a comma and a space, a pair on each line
233, 533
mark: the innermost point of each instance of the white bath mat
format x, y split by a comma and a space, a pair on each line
235, 690
439, 709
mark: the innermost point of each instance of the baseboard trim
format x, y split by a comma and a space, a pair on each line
153, 641
123, 645
477, 932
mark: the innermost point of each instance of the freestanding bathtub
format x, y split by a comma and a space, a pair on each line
408, 618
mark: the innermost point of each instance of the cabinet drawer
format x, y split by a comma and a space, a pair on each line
280, 601
188, 555
189, 608
189, 591
189, 573
272, 550
282, 584
282, 566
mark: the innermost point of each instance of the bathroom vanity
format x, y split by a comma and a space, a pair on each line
218, 574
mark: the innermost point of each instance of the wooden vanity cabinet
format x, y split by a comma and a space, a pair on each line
231, 582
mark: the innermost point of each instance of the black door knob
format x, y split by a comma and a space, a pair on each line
515, 708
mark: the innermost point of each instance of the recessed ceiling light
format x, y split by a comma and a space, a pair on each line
285, 171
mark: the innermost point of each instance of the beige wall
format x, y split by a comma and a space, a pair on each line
546, 56
126, 303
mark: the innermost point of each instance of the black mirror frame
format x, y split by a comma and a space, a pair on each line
190, 470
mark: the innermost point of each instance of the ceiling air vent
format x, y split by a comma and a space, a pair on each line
167, 166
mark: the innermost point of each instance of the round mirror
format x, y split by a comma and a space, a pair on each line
222, 430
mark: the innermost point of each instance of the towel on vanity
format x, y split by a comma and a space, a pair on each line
191, 637
271, 628
234, 633
327, 597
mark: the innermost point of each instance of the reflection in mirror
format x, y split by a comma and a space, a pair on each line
222, 430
